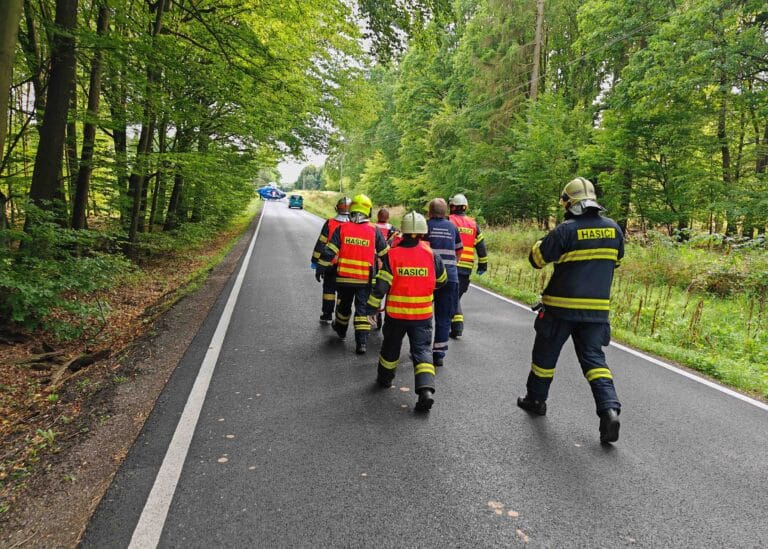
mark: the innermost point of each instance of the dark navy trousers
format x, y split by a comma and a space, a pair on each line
446, 300
420, 337
589, 338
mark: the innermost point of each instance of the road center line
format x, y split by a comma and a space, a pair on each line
652, 360
150, 526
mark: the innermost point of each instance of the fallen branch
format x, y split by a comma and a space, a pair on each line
75, 365
42, 357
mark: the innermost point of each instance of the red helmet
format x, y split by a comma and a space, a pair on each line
342, 206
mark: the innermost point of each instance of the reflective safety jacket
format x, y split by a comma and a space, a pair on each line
355, 247
325, 233
410, 275
473, 241
585, 250
387, 230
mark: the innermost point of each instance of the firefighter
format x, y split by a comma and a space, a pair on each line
355, 246
585, 248
382, 224
409, 277
474, 244
445, 241
329, 279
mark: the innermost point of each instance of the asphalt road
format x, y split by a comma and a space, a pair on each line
295, 447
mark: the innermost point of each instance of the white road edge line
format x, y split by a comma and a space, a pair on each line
652, 360
150, 526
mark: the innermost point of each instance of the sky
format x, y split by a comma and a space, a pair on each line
291, 168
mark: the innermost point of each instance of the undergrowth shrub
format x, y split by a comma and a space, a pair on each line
50, 271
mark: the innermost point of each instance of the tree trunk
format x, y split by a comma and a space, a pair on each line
158, 196
70, 146
146, 181
139, 172
537, 50
725, 154
80, 204
183, 144
10, 15
45, 190
31, 44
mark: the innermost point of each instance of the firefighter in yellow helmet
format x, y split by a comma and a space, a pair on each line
474, 245
329, 278
354, 245
585, 250
409, 276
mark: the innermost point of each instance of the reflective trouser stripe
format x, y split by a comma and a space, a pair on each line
424, 368
440, 345
542, 372
329, 297
457, 318
362, 324
342, 319
388, 364
597, 373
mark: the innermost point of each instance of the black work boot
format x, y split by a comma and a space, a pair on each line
361, 348
340, 330
326, 318
530, 404
609, 425
426, 400
455, 334
437, 360
384, 383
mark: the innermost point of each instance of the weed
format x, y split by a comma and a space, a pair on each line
119, 379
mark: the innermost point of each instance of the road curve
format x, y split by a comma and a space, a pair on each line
295, 447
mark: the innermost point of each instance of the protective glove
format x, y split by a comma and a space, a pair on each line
313, 266
481, 270
319, 274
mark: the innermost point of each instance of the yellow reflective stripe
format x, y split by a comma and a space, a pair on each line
345, 280
597, 373
443, 277
340, 316
324, 263
347, 261
409, 311
538, 259
424, 368
482, 260
457, 318
410, 299
329, 297
323, 238
384, 252
586, 255
388, 364
542, 372
316, 255
349, 270
467, 253
374, 301
331, 246
385, 276
479, 239
465, 265
577, 303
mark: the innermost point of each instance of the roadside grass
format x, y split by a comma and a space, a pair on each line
323, 203
35, 414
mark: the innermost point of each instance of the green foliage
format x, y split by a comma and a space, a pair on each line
49, 269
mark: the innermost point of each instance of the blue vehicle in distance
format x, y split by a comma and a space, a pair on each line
296, 201
270, 192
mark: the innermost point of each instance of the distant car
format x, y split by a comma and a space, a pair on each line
296, 201
270, 192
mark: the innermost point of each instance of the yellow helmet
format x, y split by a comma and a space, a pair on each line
414, 223
361, 204
579, 191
